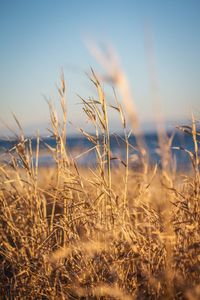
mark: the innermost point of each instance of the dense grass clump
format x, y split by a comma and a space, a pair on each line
102, 233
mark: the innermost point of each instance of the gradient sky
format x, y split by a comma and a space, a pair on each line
39, 37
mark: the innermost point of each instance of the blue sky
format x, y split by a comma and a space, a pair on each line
38, 38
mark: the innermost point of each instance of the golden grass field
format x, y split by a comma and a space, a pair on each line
103, 233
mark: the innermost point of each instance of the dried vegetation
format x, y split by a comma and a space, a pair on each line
103, 233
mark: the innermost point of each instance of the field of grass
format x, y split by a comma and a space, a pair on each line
120, 232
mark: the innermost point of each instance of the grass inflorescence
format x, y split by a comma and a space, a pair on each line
106, 232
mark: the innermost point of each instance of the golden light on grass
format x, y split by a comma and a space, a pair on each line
99, 233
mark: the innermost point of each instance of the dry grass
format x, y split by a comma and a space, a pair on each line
102, 233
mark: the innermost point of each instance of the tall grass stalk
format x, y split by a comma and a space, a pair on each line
109, 231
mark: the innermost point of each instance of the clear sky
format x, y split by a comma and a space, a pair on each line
39, 37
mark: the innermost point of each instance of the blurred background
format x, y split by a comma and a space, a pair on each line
39, 38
